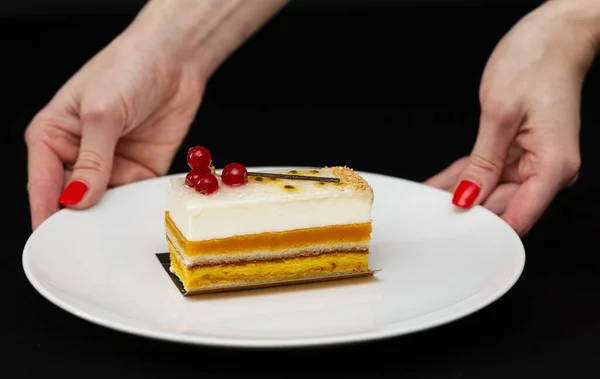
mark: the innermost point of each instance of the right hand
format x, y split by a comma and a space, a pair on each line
119, 119
527, 146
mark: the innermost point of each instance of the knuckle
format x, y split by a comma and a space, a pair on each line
32, 131
46, 127
485, 164
572, 164
567, 164
573, 180
499, 111
89, 160
94, 113
29, 135
103, 115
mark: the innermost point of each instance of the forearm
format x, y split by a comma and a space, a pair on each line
207, 31
583, 15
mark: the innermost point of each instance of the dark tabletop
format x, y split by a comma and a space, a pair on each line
314, 73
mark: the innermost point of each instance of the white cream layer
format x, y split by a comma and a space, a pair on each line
264, 207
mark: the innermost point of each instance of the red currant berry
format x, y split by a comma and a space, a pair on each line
207, 184
192, 178
234, 174
198, 157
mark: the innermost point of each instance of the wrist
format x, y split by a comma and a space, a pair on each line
579, 20
204, 32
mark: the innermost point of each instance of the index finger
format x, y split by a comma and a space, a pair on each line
530, 201
45, 181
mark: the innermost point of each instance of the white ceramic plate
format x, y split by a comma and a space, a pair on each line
438, 264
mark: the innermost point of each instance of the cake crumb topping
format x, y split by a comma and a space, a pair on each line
349, 176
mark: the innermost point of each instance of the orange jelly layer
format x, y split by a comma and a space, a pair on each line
351, 233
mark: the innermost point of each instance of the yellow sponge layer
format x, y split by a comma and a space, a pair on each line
265, 271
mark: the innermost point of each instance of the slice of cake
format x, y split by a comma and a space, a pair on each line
269, 228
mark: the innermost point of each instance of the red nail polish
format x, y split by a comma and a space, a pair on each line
465, 194
73, 193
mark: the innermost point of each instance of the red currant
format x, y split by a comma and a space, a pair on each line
198, 157
192, 178
207, 184
234, 174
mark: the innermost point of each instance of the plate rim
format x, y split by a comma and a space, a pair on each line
254, 343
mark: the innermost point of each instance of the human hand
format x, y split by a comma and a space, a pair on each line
121, 118
527, 147
123, 115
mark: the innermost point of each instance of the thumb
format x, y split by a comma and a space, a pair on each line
92, 169
497, 131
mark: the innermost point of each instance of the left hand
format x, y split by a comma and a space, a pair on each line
124, 114
527, 148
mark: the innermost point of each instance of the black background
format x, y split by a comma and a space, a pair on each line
312, 74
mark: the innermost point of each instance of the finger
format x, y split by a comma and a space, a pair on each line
511, 173
45, 181
92, 169
530, 201
497, 132
515, 152
571, 182
127, 171
67, 176
497, 201
448, 177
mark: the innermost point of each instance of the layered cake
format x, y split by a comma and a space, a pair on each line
250, 229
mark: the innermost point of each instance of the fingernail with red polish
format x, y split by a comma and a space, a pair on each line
465, 194
73, 193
